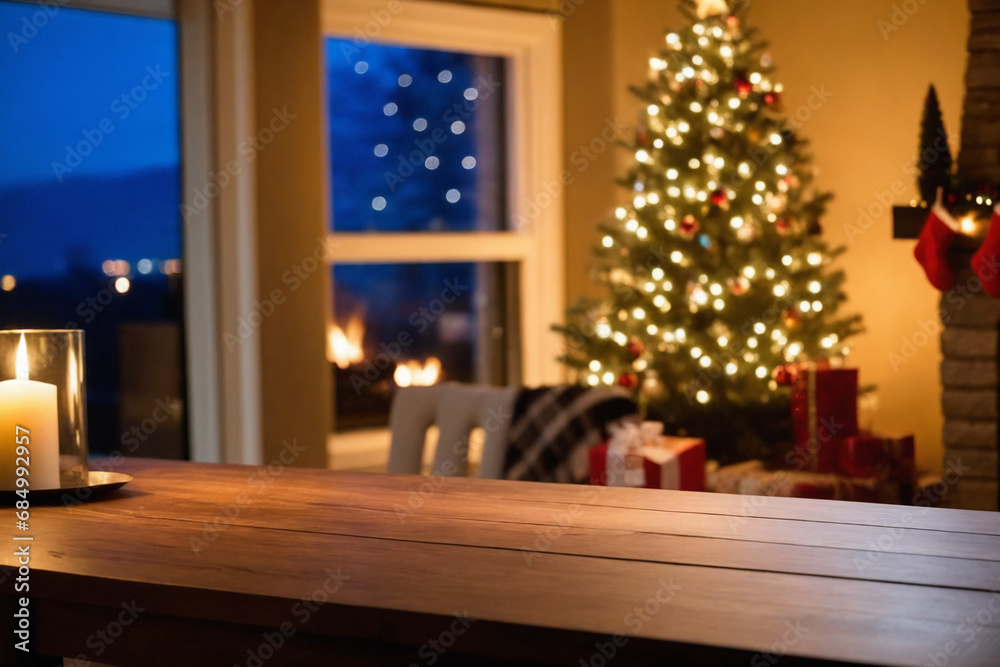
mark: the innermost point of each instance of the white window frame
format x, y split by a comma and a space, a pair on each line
530, 45
215, 59
220, 277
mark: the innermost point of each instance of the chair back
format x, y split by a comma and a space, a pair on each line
456, 409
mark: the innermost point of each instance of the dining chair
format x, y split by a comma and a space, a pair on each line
456, 409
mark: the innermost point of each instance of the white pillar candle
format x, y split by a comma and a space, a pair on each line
32, 406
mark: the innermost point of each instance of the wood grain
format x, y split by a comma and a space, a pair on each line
565, 565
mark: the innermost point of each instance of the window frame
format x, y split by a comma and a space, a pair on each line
530, 44
215, 59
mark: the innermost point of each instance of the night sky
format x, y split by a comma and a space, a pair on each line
68, 77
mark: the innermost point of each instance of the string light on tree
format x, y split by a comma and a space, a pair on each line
737, 237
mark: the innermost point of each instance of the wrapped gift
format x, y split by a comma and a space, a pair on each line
641, 456
752, 478
824, 409
885, 457
727, 479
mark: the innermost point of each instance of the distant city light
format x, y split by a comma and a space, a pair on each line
122, 285
458, 127
171, 267
432, 163
420, 125
404, 80
453, 196
378, 203
470, 93
144, 266
115, 267
390, 109
381, 150
444, 76
361, 67
8, 283
469, 162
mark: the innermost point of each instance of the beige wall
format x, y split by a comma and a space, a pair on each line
291, 222
589, 76
862, 139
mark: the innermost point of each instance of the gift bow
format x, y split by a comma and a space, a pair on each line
629, 437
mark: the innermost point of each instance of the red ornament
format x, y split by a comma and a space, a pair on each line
732, 20
773, 99
782, 226
636, 347
743, 85
719, 197
628, 380
740, 286
689, 226
782, 376
792, 318
642, 137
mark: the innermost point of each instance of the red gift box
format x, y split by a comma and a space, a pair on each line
670, 463
754, 479
824, 409
885, 457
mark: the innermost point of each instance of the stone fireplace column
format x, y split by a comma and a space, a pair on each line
969, 343
969, 397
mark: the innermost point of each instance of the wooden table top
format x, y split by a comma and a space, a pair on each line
517, 571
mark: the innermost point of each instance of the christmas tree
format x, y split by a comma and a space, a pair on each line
935, 169
934, 155
717, 273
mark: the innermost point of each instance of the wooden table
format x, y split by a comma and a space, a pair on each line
196, 564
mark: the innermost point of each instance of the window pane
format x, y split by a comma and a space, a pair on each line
413, 324
90, 235
415, 139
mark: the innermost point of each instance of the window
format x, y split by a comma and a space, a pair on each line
445, 167
416, 145
90, 231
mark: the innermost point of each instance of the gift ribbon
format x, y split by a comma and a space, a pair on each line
623, 461
810, 447
811, 411
618, 446
669, 464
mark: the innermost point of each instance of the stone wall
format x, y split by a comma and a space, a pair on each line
969, 397
969, 343
980, 154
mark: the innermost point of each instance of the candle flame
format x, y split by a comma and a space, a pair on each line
21, 364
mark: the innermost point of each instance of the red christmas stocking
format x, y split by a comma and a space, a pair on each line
986, 261
935, 238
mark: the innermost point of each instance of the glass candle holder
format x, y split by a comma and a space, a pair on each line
43, 410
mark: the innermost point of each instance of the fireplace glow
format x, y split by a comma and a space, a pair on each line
414, 374
344, 347
969, 225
